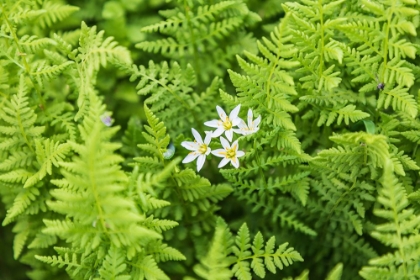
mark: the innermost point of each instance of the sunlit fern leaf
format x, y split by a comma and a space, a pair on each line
317, 70
48, 153
398, 232
400, 99
159, 225
94, 51
22, 230
15, 160
70, 261
376, 146
114, 266
54, 12
20, 119
91, 192
31, 44
335, 273
42, 240
146, 268
155, 135
22, 201
217, 260
163, 253
347, 113
280, 258
44, 72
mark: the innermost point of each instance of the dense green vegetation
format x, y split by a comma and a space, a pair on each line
219, 139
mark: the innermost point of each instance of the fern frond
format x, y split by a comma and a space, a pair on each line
162, 252
23, 200
46, 72
53, 12
155, 135
31, 44
146, 268
399, 231
20, 119
48, 153
94, 51
283, 256
198, 31
90, 193
114, 267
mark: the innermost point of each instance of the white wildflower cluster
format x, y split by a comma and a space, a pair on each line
227, 125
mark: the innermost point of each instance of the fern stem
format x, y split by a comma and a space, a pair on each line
321, 57
193, 40
395, 212
385, 49
25, 63
92, 181
22, 131
275, 63
338, 201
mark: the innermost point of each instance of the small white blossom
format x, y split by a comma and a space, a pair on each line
199, 148
225, 124
228, 153
106, 119
252, 126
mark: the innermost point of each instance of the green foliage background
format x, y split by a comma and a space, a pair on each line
328, 187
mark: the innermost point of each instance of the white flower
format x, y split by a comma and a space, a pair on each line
252, 126
228, 153
106, 119
225, 124
199, 148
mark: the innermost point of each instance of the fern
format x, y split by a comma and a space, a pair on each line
170, 92
196, 29
399, 231
226, 251
97, 102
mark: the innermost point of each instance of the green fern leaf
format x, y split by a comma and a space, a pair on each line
114, 265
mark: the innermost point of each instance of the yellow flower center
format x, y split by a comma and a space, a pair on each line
227, 124
231, 153
203, 149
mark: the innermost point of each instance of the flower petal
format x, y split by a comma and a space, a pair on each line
224, 142
239, 131
235, 145
257, 121
208, 151
229, 134
236, 121
192, 146
214, 123
250, 117
241, 123
197, 136
223, 162
208, 137
190, 157
240, 153
221, 113
235, 112
219, 153
235, 162
200, 162
217, 132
